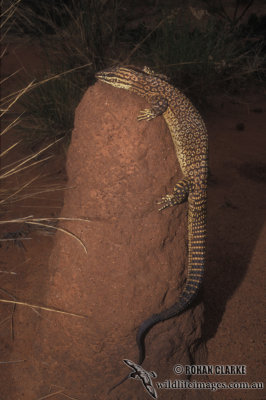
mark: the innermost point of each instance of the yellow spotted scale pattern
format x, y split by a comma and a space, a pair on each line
190, 140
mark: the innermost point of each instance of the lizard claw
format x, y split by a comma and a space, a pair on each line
146, 114
167, 201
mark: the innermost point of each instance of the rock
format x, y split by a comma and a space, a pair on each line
136, 262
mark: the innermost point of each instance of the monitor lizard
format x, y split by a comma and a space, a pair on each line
190, 140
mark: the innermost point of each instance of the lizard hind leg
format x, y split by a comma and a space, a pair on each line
179, 195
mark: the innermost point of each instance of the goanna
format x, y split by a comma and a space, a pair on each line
190, 139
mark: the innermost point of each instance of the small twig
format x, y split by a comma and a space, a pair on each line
43, 308
68, 397
16, 98
11, 125
32, 85
12, 322
19, 190
37, 221
12, 313
35, 194
18, 168
9, 11
9, 76
9, 240
50, 395
12, 362
9, 148
58, 228
60, 388
8, 272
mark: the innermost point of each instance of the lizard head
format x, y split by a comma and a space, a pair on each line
126, 78
116, 76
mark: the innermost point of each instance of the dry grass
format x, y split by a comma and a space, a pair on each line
48, 223
12, 194
42, 308
60, 391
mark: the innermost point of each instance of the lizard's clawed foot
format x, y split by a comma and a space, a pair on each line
146, 114
167, 201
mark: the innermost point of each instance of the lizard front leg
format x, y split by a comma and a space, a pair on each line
158, 107
179, 195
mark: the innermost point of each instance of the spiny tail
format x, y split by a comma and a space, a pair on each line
196, 262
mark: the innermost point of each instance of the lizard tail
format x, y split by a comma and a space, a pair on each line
196, 262
146, 326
